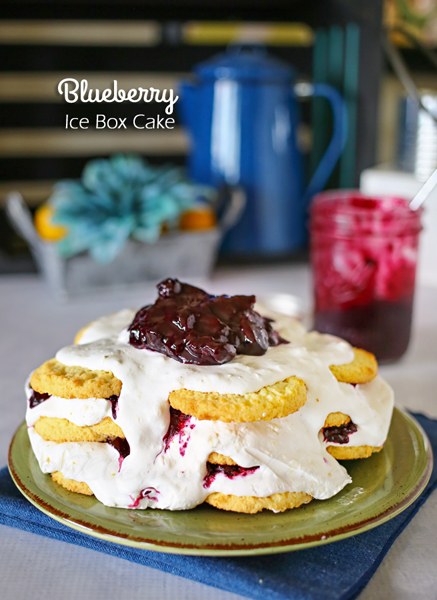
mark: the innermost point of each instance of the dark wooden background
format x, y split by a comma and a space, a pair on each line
32, 152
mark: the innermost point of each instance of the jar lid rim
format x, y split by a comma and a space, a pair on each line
353, 202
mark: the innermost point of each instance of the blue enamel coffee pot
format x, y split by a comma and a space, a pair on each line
242, 115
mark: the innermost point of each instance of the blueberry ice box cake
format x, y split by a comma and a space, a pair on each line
200, 398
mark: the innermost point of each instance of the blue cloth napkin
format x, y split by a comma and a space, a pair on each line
337, 571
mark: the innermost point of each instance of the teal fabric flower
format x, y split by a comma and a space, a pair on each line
117, 199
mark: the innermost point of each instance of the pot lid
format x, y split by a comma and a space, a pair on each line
245, 63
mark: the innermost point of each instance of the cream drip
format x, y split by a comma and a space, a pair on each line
289, 451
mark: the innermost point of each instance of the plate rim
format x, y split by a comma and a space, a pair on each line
102, 533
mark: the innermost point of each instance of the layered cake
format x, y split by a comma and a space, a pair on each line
200, 398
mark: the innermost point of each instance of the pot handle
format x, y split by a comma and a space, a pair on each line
231, 203
339, 134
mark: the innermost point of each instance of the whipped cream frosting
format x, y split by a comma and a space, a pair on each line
290, 452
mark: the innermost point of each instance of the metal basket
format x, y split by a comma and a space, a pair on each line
179, 254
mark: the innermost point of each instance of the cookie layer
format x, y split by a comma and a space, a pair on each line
53, 429
253, 504
79, 487
362, 369
279, 400
332, 420
270, 402
57, 379
352, 452
241, 504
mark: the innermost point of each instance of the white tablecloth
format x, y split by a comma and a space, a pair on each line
33, 327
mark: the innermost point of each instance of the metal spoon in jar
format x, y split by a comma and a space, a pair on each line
400, 68
424, 191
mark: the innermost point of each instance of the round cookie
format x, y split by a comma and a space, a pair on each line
270, 402
336, 419
352, 452
52, 429
219, 459
57, 379
362, 369
79, 487
253, 504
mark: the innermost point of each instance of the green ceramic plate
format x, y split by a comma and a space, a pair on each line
383, 486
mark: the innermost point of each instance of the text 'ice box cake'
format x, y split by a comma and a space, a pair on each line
200, 398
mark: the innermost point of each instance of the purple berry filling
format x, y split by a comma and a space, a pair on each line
122, 447
146, 493
114, 405
339, 435
36, 398
178, 422
229, 471
191, 326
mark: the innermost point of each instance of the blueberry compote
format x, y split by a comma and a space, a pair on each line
114, 405
191, 326
339, 435
229, 471
122, 447
178, 422
36, 398
150, 493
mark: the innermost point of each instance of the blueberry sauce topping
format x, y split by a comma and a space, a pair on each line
122, 447
229, 471
37, 398
178, 422
192, 326
339, 435
146, 493
114, 405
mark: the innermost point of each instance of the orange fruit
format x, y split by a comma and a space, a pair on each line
43, 224
198, 218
